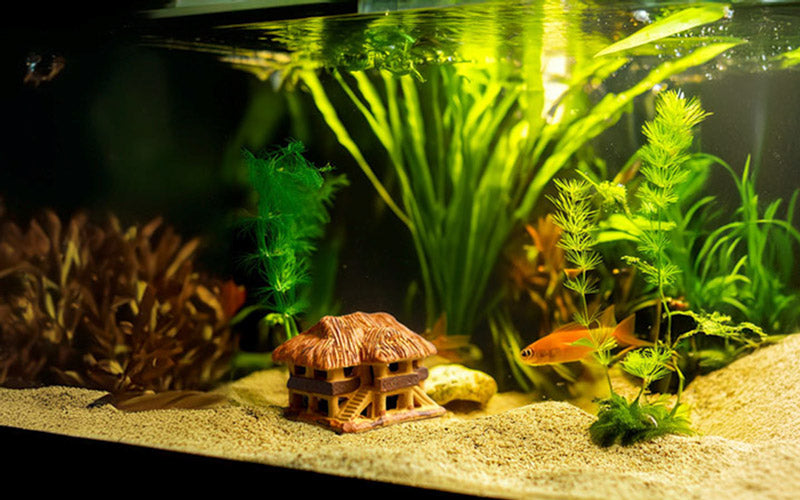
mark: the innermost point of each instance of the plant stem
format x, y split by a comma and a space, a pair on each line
585, 304
608, 379
681, 381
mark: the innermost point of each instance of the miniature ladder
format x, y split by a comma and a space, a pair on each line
422, 398
356, 404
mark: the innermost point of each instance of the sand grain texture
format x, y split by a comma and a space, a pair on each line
749, 446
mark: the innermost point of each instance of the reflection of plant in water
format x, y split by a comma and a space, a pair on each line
672, 24
380, 45
393, 50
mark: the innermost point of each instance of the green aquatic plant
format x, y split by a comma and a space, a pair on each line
719, 325
736, 269
674, 23
663, 169
649, 364
736, 340
292, 210
576, 216
628, 422
657, 227
468, 168
663, 159
745, 264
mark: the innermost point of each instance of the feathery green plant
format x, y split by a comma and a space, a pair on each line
666, 167
629, 422
576, 217
663, 159
669, 139
293, 197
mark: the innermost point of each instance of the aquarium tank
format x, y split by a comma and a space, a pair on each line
581, 202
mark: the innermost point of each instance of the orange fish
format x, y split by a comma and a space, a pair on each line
559, 346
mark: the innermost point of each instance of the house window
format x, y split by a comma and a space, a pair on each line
348, 371
300, 370
299, 401
393, 367
320, 374
322, 406
391, 402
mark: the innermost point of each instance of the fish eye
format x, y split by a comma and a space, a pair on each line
526, 352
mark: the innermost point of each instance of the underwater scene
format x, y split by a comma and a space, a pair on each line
506, 249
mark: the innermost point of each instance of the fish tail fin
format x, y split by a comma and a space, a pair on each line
624, 333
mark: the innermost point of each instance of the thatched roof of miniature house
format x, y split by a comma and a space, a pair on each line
353, 339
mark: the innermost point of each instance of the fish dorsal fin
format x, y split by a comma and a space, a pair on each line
624, 333
569, 327
608, 318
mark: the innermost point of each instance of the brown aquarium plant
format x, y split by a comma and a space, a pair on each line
537, 270
111, 308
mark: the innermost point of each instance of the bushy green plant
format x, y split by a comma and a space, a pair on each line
745, 264
664, 167
663, 159
292, 210
628, 422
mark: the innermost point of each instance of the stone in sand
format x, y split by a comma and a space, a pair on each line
454, 382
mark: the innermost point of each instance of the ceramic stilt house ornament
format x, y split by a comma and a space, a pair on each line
357, 372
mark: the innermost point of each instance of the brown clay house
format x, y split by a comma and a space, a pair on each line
356, 372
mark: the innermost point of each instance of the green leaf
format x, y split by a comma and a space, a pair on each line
676, 23
789, 59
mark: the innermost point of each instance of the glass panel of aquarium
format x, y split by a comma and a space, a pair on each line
457, 247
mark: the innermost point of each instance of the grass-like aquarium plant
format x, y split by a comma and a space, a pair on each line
471, 153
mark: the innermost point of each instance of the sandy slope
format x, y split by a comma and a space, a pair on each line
748, 416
